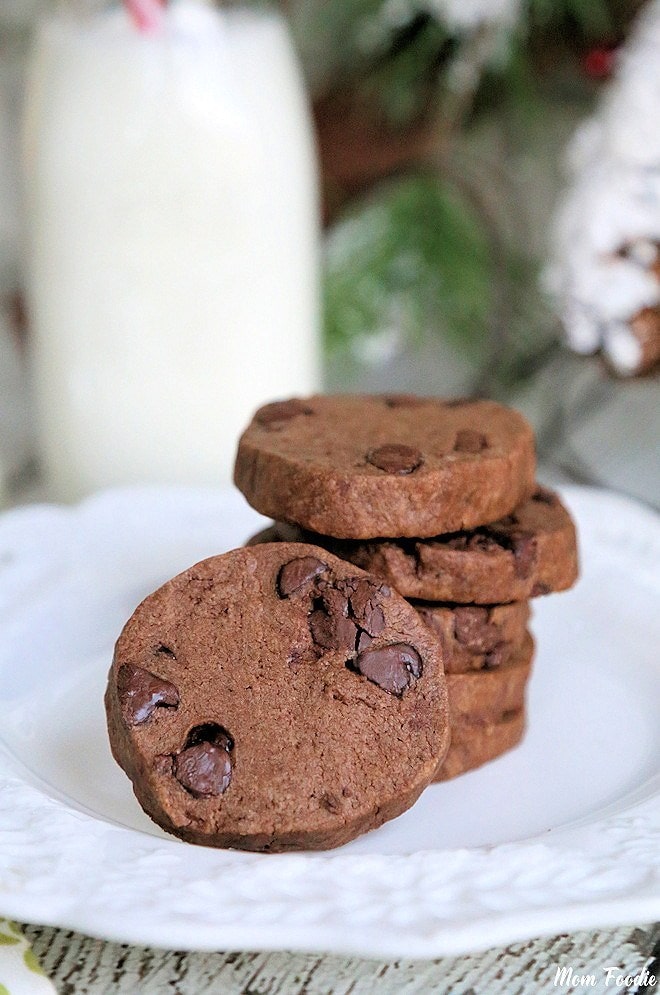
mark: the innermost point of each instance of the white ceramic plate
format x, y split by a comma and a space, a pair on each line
561, 834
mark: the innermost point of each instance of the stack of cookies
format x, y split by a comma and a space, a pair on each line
296, 692
437, 499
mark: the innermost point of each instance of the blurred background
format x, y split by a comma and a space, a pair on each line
481, 215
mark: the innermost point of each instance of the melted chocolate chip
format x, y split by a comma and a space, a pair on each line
393, 668
332, 598
141, 692
539, 589
203, 770
395, 458
298, 574
204, 767
473, 630
366, 606
272, 415
469, 441
332, 632
329, 624
347, 613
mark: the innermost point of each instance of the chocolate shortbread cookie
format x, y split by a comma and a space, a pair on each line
477, 637
475, 742
487, 694
530, 552
360, 467
276, 698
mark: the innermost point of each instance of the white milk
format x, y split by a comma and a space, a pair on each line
171, 190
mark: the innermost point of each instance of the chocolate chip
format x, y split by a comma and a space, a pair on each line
366, 605
484, 542
298, 574
329, 624
473, 630
509, 520
203, 770
204, 767
539, 589
364, 640
140, 692
475, 542
495, 658
469, 441
395, 458
401, 400
524, 553
272, 415
544, 496
332, 598
330, 802
332, 632
393, 668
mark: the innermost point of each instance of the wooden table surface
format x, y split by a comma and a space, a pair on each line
79, 965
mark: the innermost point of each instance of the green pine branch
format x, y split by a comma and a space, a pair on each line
415, 253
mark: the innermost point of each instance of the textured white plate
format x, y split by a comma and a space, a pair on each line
563, 833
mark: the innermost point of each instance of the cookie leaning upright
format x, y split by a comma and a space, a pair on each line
362, 467
276, 698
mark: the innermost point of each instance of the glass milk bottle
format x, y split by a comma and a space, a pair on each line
172, 257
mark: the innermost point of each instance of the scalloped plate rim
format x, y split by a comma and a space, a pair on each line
25, 895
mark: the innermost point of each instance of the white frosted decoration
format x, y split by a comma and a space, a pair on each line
584, 143
615, 284
612, 203
643, 251
632, 105
624, 351
585, 329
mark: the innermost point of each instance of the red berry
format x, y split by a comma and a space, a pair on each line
599, 62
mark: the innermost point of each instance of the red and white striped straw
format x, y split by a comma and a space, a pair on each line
147, 15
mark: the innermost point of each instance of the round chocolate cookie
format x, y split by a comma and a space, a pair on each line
530, 552
474, 742
487, 694
359, 467
477, 637
276, 698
